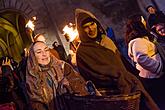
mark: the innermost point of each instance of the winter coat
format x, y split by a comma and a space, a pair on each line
145, 55
46, 83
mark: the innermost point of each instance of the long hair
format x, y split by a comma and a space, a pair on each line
135, 28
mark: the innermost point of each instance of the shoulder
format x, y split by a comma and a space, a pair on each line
135, 41
108, 43
139, 43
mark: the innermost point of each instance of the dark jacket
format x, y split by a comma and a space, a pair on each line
156, 18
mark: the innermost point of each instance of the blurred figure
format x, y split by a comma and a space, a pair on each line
158, 31
47, 77
39, 37
99, 60
144, 53
6, 80
155, 16
9, 83
61, 51
141, 50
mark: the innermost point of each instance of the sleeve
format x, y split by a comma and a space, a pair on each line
140, 54
76, 81
34, 90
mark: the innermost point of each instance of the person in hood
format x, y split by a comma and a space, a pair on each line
99, 60
47, 77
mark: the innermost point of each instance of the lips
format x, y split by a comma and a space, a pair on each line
45, 59
91, 32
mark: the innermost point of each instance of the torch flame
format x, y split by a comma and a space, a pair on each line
70, 31
30, 23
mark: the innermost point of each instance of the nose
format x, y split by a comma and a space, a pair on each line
90, 27
44, 53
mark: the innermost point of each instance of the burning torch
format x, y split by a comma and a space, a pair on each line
71, 35
30, 27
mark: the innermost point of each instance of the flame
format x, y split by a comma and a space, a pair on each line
30, 25
70, 31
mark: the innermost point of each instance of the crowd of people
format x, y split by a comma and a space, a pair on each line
44, 74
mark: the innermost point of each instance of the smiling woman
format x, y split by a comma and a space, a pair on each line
42, 53
46, 74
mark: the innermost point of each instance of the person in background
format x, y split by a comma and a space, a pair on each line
47, 77
9, 84
144, 53
158, 31
6, 80
61, 51
99, 60
41, 37
155, 16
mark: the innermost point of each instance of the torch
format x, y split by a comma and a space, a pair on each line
30, 27
71, 34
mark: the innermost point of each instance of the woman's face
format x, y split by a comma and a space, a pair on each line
42, 53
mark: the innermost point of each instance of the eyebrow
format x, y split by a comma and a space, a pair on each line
87, 24
41, 49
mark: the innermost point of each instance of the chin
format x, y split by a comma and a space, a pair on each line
92, 36
44, 63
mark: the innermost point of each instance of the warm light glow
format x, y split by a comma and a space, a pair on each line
30, 25
70, 31
34, 18
143, 21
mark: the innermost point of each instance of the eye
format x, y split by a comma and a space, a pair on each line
38, 52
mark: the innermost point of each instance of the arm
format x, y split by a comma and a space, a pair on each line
143, 56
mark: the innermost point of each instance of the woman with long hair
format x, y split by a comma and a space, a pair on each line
143, 53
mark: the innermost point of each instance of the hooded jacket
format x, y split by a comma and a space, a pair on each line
46, 82
101, 62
